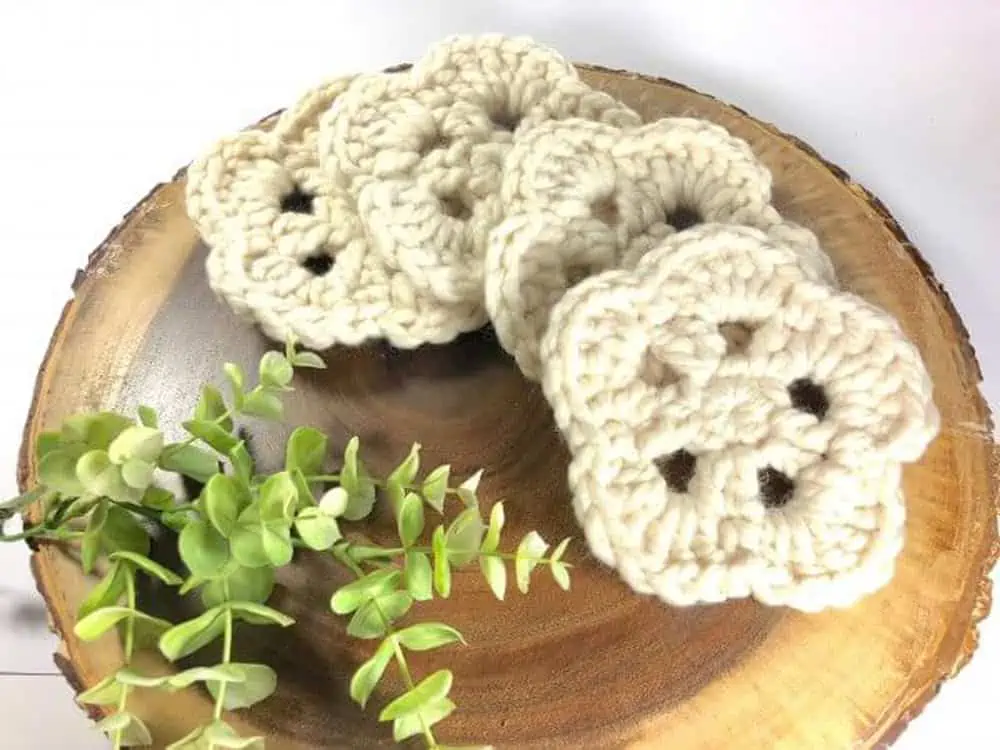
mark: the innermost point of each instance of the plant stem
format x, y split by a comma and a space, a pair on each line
194, 439
377, 482
40, 532
227, 652
501, 555
142, 511
129, 646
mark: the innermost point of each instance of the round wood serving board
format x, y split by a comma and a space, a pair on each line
598, 667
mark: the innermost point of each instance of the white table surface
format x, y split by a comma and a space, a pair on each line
100, 100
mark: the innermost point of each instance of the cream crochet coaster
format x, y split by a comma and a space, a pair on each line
737, 425
580, 197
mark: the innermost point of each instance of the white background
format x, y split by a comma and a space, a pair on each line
100, 100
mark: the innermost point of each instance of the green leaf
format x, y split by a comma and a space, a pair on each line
218, 734
406, 472
419, 576
361, 502
495, 573
147, 416
435, 487
304, 493
349, 597
359, 553
190, 461
203, 549
260, 612
143, 443
211, 407
212, 435
258, 683
107, 692
410, 519
158, 498
442, 572
94, 430
277, 543
223, 499
57, 469
106, 593
318, 530
237, 381
394, 605
100, 476
429, 690
191, 741
309, 360
350, 473
219, 673
367, 622
243, 584
560, 571
531, 548
190, 636
122, 531
275, 370
278, 498
428, 635
464, 536
147, 566
492, 539
262, 404
334, 502
127, 729
90, 545
10, 508
247, 540
98, 622
413, 724
127, 676
366, 677
242, 463
137, 474
46, 442
306, 450
467, 490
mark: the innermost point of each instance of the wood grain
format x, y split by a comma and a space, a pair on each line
598, 667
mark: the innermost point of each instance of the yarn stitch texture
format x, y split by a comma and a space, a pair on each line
707, 467
290, 250
581, 197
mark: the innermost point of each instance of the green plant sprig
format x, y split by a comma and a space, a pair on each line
97, 488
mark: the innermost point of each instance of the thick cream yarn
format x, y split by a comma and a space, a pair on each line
709, 466
581, 197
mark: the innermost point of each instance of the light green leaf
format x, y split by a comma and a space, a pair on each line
212, 435
243, 584
190, 461
191, 741
492, 539
395, 604
46, 442
57, 470
95, 430
360, 502
561, 575
467, 490
127, 728
410, 519
98, 622
258, 683
367, 622
306, 450
237, 381
100, 476
495, 573
107, 692
304, 493
442, 571
106, 593
275, 370
203, 549
219, 673
127, 676
223, 499
218, 734
406, 472
190, 636
211, 407
137, 474
428, 635
261, 612
366, 677
122, 531
318, 530
359, 553
429, 690
10, 508
350, 473
158, 498
278, 498
309, 360
149, 567
531, 548
262, 404
147, 416
242, 463
90, 545
435, 487
247, 540
277, 543
334, 502
143, 443
410, 725
419, 576
349, 597
464, 536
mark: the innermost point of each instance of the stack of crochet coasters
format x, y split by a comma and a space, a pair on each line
738, 424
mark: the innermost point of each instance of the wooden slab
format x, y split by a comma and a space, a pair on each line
599, 667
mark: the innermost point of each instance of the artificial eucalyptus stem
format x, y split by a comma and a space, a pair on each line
130, 599
227, 654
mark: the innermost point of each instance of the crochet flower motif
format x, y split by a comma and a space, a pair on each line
291, 251
737, 426
424, 149
581, 197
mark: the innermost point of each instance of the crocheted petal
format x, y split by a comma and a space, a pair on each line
300, 121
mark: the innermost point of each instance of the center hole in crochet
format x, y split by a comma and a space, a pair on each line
504, 120
298, 201
656, 372
318, 264
433, 143
809, 397
677, 469
606, 209
737, 335
683, 217
776, 488
455, 207
577, 273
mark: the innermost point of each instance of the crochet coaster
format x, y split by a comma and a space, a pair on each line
581, 197
289, 249
737, 425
